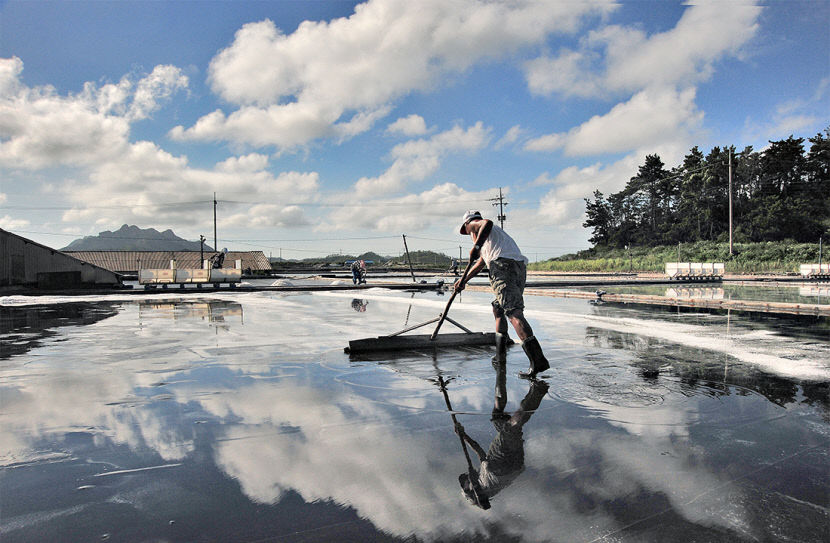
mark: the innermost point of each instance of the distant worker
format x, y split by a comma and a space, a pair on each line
362, 272
492, 247
454, 267
218, 259
355, 272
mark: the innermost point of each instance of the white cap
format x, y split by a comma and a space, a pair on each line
468, 216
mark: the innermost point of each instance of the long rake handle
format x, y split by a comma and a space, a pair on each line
455, 422
449, 302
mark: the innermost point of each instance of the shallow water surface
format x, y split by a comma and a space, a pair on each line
237, 417
803, 293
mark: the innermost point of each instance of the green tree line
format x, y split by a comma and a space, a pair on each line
779, 194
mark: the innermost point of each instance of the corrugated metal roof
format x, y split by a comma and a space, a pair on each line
132, 261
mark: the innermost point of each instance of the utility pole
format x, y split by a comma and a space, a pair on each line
215, 242
201, 251
499, 201
730, 201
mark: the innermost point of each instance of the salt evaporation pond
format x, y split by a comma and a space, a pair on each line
237, 417
799, 293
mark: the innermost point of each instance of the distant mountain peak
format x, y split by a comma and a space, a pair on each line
133, 238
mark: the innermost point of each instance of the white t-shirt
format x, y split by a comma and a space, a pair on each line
500, 245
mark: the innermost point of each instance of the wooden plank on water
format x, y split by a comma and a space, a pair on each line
420, 342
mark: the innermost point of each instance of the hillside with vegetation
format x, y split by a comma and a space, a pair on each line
766, 257
419, 259
780, 200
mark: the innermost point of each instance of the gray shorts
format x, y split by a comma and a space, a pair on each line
508, 277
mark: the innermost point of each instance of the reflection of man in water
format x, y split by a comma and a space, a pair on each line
505, 459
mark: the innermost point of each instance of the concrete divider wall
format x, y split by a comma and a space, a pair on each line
189, 275
808, 270
694, 269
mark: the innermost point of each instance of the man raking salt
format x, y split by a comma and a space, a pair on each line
496, 250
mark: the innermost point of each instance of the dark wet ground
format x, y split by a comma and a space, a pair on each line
237, 417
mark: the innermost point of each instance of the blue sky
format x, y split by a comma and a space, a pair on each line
338, 126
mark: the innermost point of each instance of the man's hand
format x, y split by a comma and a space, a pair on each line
459, 285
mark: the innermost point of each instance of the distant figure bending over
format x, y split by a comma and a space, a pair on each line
362, 273
219, 259
492, 247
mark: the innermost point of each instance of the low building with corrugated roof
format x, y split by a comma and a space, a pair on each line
129, 262
27, 264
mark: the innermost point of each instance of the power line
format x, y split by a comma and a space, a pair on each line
315, 239
113, 206
499, 201
242, 202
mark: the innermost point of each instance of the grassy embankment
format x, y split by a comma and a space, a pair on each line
769, 257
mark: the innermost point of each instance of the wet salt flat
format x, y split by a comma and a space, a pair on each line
237, 417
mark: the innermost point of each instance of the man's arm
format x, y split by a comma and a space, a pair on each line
475, 253
484, 233
472, 272
482, 455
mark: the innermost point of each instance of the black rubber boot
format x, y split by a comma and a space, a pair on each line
500, 401
501, 351
538, 362
499, 362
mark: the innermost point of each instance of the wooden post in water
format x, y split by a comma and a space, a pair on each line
408, 259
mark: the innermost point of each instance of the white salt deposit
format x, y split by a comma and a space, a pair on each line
782, 355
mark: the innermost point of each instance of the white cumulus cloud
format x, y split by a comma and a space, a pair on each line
10, 223
437, 206
149, 184
415, 160
291, 89
616, 59
650, 118
412, 125
40, 128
